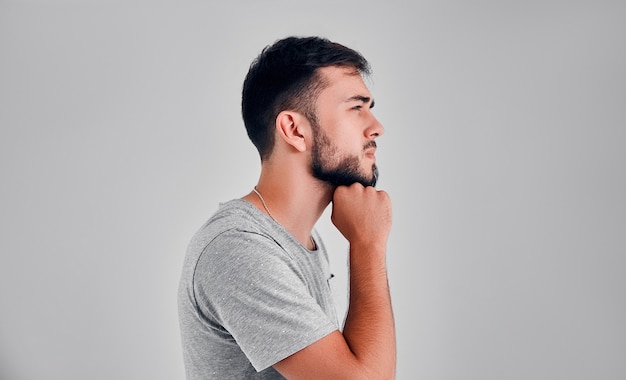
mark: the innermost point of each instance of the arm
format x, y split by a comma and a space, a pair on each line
367, 347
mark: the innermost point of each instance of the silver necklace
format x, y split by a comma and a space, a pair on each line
264, 204
271, 216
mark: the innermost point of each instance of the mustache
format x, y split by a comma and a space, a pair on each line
370, 144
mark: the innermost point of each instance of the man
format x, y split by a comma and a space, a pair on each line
254, 298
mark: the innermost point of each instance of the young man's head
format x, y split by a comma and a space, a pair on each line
285, 76
322, 81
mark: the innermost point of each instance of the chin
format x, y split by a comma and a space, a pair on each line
374, 177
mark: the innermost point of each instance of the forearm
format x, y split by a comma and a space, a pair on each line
369, 328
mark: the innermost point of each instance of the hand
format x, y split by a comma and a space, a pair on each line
362, 215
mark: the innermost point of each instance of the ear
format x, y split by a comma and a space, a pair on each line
294, 129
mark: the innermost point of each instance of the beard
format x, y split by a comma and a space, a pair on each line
345, 171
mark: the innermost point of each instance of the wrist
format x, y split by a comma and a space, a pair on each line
368, 255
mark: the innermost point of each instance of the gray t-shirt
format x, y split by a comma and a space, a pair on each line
250, 295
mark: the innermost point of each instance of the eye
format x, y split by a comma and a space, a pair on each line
359, 107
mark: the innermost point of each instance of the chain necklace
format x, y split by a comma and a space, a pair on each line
272, 217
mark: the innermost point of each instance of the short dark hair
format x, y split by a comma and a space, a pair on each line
285, 77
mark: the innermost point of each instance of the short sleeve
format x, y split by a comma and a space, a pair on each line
256, 291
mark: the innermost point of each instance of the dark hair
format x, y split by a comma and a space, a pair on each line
285, 77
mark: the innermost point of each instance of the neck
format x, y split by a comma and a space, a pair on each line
294, 202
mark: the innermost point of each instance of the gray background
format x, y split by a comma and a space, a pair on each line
504, 156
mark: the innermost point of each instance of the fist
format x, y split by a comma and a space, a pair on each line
362, 214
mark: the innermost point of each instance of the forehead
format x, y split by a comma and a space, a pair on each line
343, 82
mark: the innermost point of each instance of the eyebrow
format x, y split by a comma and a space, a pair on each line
361, 98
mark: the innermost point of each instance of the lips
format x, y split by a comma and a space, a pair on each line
370, 149
371, 153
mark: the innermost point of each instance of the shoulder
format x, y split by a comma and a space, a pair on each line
236, 234
235, 214
231, 218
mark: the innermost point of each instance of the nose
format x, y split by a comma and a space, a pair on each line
375, 128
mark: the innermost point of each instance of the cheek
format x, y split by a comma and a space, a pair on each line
343, 134
347, 139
